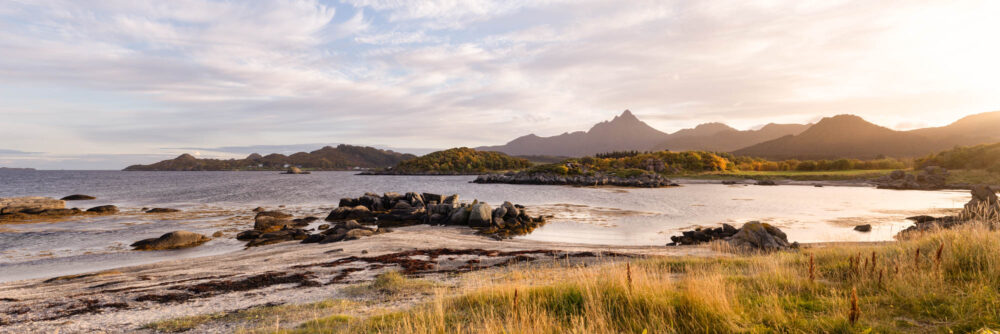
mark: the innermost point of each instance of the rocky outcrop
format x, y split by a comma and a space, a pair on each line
78, 197
984, 206
863, 228
271, 221
21, 204
753, 236
172, 240
928, 178
757, 236
393, 209
647, 180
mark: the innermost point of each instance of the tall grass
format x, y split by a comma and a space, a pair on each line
940, 281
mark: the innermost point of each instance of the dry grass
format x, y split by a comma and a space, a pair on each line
944, 281
260, 319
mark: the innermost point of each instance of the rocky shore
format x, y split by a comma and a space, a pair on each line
598, 179
929, 178
372, 214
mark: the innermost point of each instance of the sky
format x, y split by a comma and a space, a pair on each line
104, 84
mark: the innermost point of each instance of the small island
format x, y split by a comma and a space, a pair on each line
342, 157
456, 161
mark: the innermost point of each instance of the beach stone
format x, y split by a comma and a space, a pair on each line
162, 210
436, 198
323, 227
271, 221
78, 197
248, 235
480, 215
259, 209
358, 233
172, 240
348, 202
104, 209
453, 199
863, 228
759, 236
217, 234
459, 216
18, 204
313, 238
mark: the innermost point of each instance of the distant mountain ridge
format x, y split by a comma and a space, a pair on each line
626, 132
849, 136
842, 136
342, 157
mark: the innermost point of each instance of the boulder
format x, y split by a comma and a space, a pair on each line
271, 221
453, 199
323, 227
18, 204
172, 240
897, 175
162, 210
248, 235
104, 209
983, 205
459, 216
480, 215
348, 202
359, 212
288, 234
863, 228
358, 233
429, 198
78, 197
757, 236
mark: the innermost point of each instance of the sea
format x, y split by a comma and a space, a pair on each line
222, 201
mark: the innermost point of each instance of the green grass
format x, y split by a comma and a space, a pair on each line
262, 317
973, 176
391, 284
835, 175
764, 293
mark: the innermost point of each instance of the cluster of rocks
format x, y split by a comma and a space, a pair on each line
752, 236
28, 208
984, 205
275, 226
394, 209
647, 180
928, 178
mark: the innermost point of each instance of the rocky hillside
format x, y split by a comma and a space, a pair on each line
460, 160
342, 157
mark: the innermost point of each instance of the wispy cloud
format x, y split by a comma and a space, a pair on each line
129, 77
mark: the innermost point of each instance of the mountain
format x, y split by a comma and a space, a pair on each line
848, 136
627, 133
718, 137
341, 157
624, 132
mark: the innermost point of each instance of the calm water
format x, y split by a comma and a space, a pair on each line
222, 200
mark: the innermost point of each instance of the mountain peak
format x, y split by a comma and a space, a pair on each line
626, 116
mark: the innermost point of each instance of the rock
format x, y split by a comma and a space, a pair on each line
480, 215
313, 238
766, 183
728, 182
359, 212
453, 199
172, 240
435, 198
78, 197
295, 170
757, 236
323, 227
304, 221
104, 209
984, 204
162, 210
459, 216
288, 234
18, 204
897, 175
358, 233
271, 221
248, 235
217, 234
259, 209
863, 228
348, 202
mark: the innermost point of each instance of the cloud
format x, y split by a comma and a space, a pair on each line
130, 77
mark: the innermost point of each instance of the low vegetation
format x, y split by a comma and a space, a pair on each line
979, 157
258, 319
461, 160
941, 281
